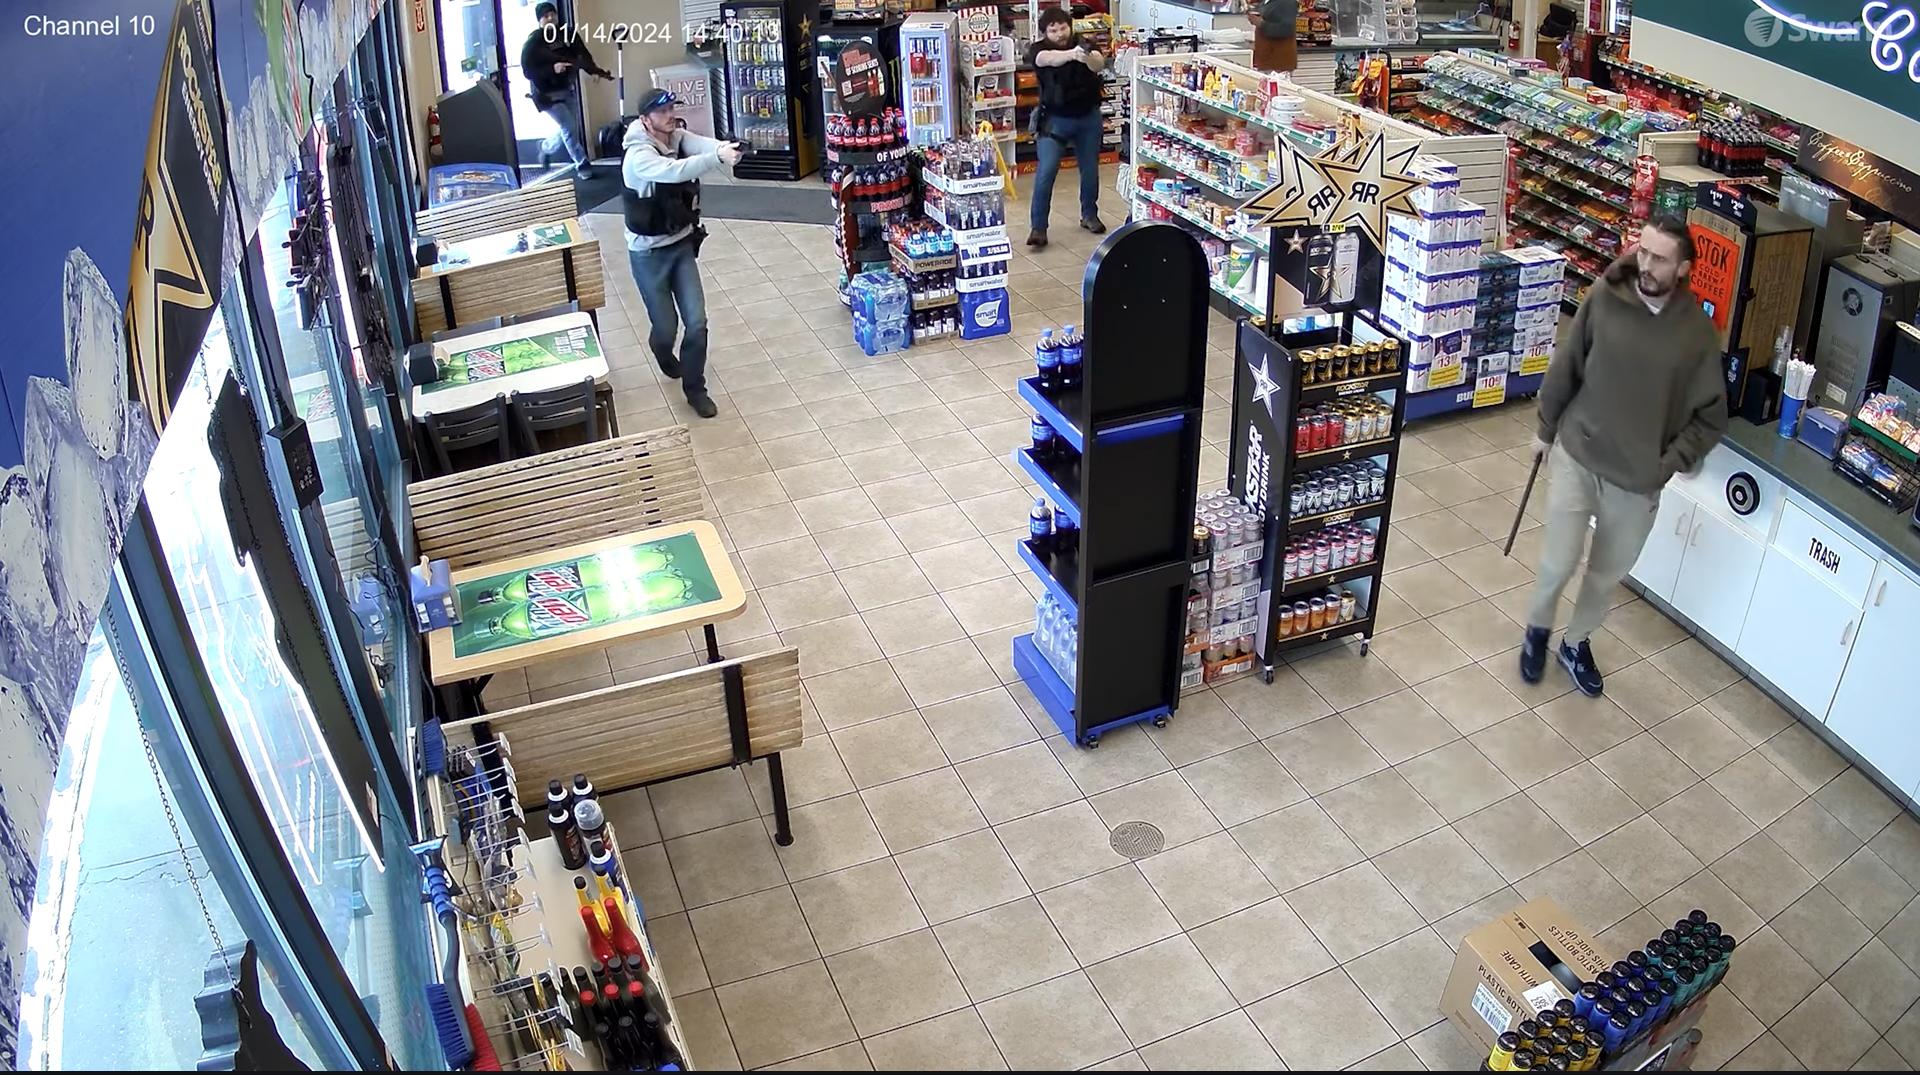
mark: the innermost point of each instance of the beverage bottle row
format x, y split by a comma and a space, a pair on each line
963, 159
761, 104
1331, 549
981, 270
1736, 149
966, 212
761, 44
1231, 525
1337, 488
760, 76
873, 181
1051, 450
1331, 425
575, 819
921, 239
765, 135
937, 284
866, 133
1059, 360
930, 324
1330, 609
925, 60
618, 1007
1056, 636
1052, 533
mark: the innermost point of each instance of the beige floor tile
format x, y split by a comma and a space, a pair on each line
1646, 693
651, 875
1267, 709
1203, 726
1804, 757
896, 982
1758, 788
1899, 846
1404, 980
1060, 845
1869, 888
1822, 930
1704, 821
1430, 588
1645, 858
679, 954
805, 601
1470, 699
785, 1014
1296, 845
1346, 679
700, 802
1647, 771
1159, 990
1354, 911
1882, 1057
1005, 948
849, 1057
1322, 1024
1765, 1054
751, 935
1479, 629
1379, 812
1028, 1025
952, 1042
855, 695
722, 863
1206, 880
922, 810
1584, 887
1699, 738
705, 1031
1393, 1058
1454, 928
1400, 725
1905, 1035
1746, 709
630, 813
1878, 985
765, 526
990, 606
862, 543
1515, 837
1242, 784
828, 836
1593, 725
912, 625
1124, 756
1441, 1047
1726, 1029
1526, 749
830, 511
1816, 839
1855, 800
960, 876
944, 672
1824, 1032
1226, 1043
978, 724
1704, 890
1696, 668
1164, 801
1018, 782
1903, 934
1439, 873
884, 582
1456, 779
890, 748
1325, 754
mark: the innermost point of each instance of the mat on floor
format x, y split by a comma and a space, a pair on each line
805, 203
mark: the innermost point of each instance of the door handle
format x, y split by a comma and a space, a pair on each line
1693, 542
1882, 595
1846, 633
1679, 526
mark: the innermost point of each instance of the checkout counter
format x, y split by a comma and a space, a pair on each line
1804, 581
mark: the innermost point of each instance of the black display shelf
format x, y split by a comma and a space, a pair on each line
1135, 427
1262, 465
855, 157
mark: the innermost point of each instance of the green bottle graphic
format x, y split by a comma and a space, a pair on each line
591, 573
555, 613
486, 363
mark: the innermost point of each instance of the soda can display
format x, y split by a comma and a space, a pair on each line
1367, 540
1378, 481
1343, 491
1316, 613
1296, 501
1322, 556
1291, 566
1349, 606
1286, 620
1302, 614
1354, 555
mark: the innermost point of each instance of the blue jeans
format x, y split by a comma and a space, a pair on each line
1083, 134
669, 276
566, 115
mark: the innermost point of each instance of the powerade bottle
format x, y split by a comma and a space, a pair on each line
1046, 356
1045, 442
1040, 527
1071, 351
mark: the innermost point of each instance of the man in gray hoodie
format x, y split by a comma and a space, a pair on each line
661, 200
1636, 394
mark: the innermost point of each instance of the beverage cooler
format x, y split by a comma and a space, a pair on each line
929, 61
769, 87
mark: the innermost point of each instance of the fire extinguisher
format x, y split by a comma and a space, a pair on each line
1513, 34
434, 150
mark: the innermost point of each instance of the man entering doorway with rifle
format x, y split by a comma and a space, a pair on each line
550, 58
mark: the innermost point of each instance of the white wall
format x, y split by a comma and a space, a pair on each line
642, 56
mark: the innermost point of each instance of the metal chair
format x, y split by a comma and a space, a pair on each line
555, 410
469, 429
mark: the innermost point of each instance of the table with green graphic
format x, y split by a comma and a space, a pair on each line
504, 246
536, 355
584, 596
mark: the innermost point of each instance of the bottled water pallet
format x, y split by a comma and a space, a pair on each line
1122, 458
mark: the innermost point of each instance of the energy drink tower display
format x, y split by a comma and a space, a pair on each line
1317, 416
929, 62
769, 86
1114, 454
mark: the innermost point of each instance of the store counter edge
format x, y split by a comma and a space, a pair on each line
1811, 474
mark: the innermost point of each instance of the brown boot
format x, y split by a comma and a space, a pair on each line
1037, 237
1093, 224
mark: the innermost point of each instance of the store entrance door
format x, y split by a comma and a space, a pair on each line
482, 39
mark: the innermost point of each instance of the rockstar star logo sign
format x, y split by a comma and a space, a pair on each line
1356, 188
1264, 386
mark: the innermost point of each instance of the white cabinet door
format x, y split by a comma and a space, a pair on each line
1660, 559
1798, 632
1717, 575
1871, 713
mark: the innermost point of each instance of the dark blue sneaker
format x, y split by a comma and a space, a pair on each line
1533, 654
1578, 661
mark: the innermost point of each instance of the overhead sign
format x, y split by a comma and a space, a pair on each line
1867, 176
1356, 188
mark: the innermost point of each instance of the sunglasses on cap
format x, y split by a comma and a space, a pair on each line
656, 100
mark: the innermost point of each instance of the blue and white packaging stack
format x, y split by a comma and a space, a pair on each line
882, 311
1432, 281
1519, 312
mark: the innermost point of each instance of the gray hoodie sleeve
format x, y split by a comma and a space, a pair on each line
1707, 416
1565, 372
1278, 19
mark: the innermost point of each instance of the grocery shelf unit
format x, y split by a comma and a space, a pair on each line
1136, 428
1479, 158
1264, 463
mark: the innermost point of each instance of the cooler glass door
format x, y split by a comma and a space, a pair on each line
927, 62
757, 100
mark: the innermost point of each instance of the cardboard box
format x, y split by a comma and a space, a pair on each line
1515, 965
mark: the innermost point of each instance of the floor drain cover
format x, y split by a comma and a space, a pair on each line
1137, 839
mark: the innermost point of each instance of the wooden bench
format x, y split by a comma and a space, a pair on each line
504, 211
556, 499
718, 715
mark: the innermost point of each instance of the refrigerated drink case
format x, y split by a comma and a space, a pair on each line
769, 84
928, 62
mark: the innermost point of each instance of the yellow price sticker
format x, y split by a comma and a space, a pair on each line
1490, 390
1452, 375
1535, 362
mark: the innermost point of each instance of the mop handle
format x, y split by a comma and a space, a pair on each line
1525, 495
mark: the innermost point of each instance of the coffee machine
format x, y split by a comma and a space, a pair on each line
1866, 295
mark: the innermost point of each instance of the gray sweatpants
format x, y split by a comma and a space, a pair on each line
1621, 522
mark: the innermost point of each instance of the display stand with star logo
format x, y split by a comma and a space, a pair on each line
1320, 212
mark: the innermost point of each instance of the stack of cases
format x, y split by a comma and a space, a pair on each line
882, 311
1519, 310
1223, 599
1432, 280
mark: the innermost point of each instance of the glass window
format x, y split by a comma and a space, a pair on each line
364, 893
118, 942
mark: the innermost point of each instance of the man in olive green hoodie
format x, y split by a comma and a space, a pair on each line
1636, 393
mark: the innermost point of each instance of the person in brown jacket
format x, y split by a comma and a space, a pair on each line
1635, 394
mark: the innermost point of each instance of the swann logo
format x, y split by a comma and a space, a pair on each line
1768, 24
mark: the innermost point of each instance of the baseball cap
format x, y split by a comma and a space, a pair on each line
656, 100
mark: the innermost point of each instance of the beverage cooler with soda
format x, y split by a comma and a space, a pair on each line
930, 70
769, 87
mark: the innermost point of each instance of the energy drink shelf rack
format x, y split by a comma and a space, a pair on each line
1134, 423
1269, 391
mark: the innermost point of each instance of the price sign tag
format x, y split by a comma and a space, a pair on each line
1490, 388
1535, 361
1446, 376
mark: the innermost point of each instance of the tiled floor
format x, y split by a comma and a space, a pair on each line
951, 899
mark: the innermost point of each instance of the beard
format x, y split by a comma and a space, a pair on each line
1655, 289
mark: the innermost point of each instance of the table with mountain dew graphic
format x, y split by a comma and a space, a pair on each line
585, 596
549, 353
504, 246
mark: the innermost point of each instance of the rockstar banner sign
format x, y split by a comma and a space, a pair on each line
1355, 187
